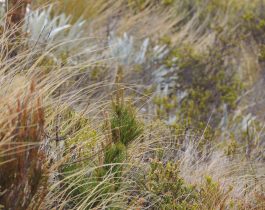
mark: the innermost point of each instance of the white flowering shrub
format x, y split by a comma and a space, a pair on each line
46, 30
125, 51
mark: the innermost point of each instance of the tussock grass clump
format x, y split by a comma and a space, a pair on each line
95, 179
23, 173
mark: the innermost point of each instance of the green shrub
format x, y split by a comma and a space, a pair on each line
208, 81
78, 133
213, 196
124, 124
167, 189
121, 128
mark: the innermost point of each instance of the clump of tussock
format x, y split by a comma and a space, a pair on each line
23, 165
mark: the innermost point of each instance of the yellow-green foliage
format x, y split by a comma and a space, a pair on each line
98, 73
262, 53
165, 185
231, 146
137, 4
167, 2
253, 21
78, 133
239, 139
164, 105
207, 81
212, 195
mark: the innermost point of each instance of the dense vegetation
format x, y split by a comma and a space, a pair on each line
132, 104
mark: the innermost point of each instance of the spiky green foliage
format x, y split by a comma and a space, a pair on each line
124, 124
107, 178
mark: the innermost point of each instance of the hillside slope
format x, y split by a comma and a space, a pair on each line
132, 104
